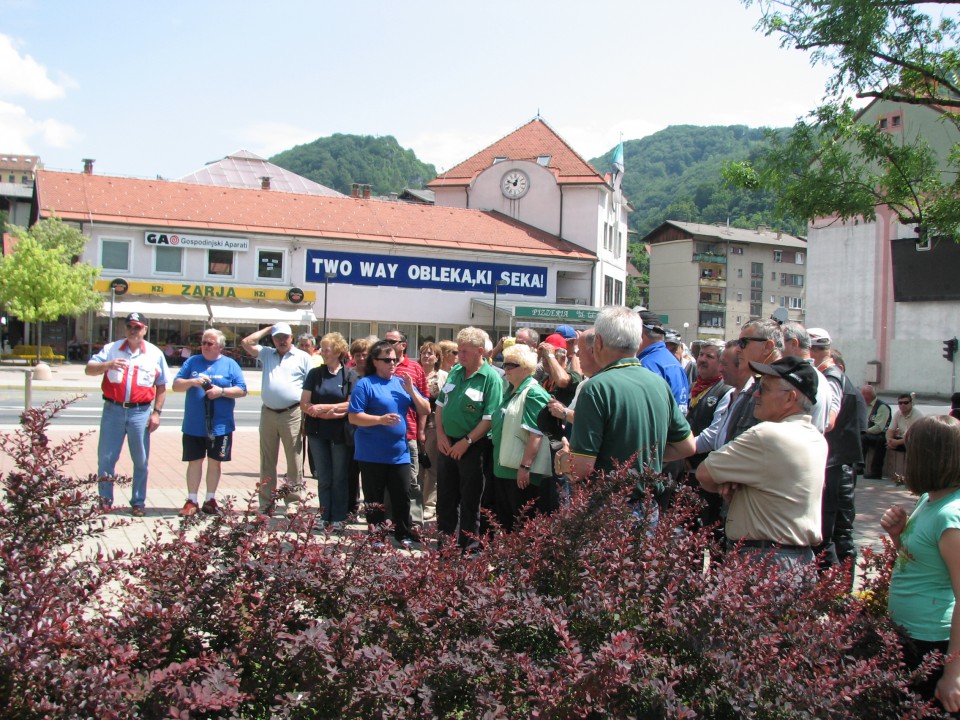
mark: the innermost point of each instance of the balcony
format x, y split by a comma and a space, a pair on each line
713, 282
710, 258
710, 331
712, 307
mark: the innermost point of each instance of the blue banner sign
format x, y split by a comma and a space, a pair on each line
411, 272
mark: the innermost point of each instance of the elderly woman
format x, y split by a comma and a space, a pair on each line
326, 394
465, 406
436, 379
516, 439
378, 407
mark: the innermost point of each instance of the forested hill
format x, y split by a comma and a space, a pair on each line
675, 174
339, 161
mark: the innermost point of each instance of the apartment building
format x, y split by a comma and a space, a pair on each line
706, 281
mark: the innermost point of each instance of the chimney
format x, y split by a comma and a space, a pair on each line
355, 190
265, 182
88, 166
366, 192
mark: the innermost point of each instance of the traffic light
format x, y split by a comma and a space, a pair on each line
949, 349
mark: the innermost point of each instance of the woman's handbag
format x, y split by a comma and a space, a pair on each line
513, 439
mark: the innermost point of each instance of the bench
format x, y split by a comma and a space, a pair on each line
28, 353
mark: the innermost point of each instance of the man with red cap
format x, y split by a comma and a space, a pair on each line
135, 377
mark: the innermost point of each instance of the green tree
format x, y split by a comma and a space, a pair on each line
41, 280
833, 163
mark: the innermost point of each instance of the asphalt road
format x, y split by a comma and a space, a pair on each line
86, 411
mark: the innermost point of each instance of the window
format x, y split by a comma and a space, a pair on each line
739, 272
883, 123
895, 121
736, 251
270, 264
791, 279
612, 291
220, 262
756, 269
796, 303
799, 258
772, 300
168, 260
115, 255
12, 178
778, 256
499, 159
543, 160
740, 296
773, 275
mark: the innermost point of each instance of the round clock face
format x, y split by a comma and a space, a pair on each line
515, 184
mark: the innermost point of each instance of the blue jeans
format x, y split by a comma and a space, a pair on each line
118, 423
331, 461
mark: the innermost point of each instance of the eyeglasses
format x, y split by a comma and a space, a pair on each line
209, 342
392, 361
744, 341
131, 326
394, 342
510, 366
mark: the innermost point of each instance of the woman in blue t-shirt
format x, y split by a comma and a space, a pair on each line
378, 406
926, 575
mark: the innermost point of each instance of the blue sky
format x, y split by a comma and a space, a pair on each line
161, 88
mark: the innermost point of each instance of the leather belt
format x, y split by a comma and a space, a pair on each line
282, 410
126, 404
766, 545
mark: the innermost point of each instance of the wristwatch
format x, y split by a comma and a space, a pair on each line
524, 467
468, 439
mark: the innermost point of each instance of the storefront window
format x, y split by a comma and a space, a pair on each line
220, 262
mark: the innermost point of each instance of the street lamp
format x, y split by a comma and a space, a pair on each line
496, 286
327, 277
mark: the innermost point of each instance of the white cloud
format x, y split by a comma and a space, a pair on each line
21, 75
17, 130
266, 139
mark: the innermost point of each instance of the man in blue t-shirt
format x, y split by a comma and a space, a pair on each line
655, 356
212, 382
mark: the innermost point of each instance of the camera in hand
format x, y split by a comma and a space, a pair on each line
206, 384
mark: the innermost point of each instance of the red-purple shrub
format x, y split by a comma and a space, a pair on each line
586, 613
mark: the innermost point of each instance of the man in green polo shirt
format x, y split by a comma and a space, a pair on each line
624, 410
466, 403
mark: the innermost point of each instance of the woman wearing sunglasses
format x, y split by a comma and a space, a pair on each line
378, 407
516, 438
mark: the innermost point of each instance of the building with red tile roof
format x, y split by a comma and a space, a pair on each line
191, 255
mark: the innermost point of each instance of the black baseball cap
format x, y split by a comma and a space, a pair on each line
136, 318
796, 371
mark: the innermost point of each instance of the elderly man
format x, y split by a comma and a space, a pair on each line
213, 382
738, 377
772, 474
308, 344
284, 370
625, 412
874, 436
135, 378
843, 456
798, 342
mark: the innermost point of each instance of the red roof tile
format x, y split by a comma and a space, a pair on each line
104, 199
529, 142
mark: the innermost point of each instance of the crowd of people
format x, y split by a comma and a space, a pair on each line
767, 428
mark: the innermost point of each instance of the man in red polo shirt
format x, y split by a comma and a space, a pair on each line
135, 376
416, 424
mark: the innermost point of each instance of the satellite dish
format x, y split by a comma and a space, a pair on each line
781, 315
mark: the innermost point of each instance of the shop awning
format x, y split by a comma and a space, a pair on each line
245, 314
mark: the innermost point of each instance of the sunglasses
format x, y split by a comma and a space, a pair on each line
131, 326
392, 361
510, 366
744, 341
209, 342
394, 342
904, 402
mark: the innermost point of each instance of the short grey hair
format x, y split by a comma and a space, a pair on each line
620, 327
523, 356
306, 336
529, 332
714, 343
793, 330
589, 336
768, 330
473, 336
221, 338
